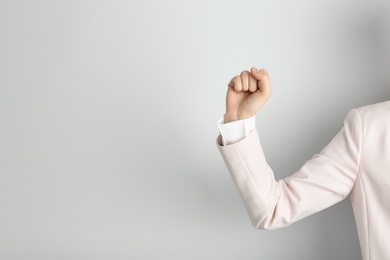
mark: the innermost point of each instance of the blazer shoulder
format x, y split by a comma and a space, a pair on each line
377, 110
375, 118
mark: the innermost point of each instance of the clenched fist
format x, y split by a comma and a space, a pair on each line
246, 94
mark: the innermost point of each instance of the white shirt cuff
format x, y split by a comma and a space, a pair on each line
235, 131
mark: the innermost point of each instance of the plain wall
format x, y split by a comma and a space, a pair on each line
108, 114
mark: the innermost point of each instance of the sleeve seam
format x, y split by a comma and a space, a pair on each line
257, 189
360, 144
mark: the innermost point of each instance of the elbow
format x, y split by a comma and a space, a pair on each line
261, 219
267, 224
261, 225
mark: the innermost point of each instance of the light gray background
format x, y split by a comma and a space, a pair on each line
108, 116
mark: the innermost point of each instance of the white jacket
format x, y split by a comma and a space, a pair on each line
355, 162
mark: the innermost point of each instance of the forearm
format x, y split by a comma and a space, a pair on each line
252, 176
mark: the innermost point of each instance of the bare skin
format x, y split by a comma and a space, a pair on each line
246, 94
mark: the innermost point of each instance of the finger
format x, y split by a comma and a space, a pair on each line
245, 80
235, 83
252, 83
231, 83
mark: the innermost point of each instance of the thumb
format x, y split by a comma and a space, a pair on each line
263, 81
257, 74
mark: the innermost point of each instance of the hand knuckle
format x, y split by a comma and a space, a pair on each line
244, 73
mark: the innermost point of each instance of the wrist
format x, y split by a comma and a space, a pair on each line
230, 118
235, 117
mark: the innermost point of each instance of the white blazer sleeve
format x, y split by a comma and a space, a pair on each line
321, 182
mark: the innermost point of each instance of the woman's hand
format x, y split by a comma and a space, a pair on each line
246, 94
